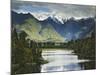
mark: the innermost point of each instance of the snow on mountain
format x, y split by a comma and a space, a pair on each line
44, 16
58, 18
41, 16
36, 33
58, 26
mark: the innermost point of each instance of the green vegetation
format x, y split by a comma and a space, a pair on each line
26, 54
36, 32
85, 48
25, 59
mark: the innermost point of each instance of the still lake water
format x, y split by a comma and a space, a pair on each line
61, 60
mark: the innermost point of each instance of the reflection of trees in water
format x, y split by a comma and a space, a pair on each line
26, 58
88, 65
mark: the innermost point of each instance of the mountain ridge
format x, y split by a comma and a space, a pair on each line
71, 29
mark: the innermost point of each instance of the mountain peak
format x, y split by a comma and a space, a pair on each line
18, 18
55, 18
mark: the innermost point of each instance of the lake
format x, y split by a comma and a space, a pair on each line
63, 60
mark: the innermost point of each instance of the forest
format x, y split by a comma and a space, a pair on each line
85, 48
26, 54
24, 58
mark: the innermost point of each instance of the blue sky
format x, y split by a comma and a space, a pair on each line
43, 9
61, 10
30, 8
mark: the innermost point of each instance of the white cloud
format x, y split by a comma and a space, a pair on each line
59, 10
78, 34
41, 16
84, 28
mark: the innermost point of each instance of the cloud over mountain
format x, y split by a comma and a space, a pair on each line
51, 29
59, 10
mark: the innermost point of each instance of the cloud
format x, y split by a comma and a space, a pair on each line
84, 28
60, 10
77, 35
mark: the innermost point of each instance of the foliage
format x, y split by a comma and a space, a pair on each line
24, 58
85, 48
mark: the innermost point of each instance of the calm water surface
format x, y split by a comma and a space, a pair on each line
61, 60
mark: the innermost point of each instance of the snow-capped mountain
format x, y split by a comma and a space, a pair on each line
59, 18
41, 16
44, 16
35, 32
69, 29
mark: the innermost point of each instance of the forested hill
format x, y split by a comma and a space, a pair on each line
85, 48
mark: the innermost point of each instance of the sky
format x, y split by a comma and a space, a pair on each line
42, 10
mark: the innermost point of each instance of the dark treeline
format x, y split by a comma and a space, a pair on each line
25, 59
52, 45
26, 54
85, 48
